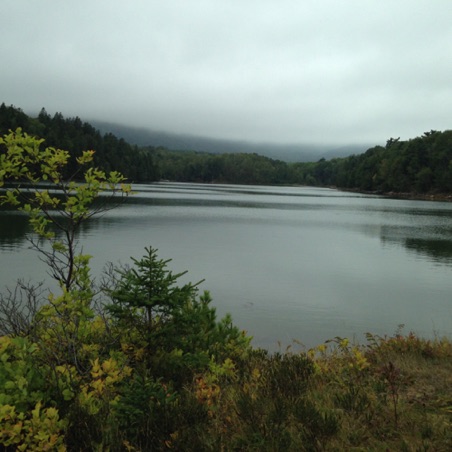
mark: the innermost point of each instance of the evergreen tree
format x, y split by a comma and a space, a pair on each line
172, 329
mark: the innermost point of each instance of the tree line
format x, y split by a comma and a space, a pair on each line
420, 165
75, 136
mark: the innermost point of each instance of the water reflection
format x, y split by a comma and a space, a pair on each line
439, 251
13, 230
422, 227
434, 242
286, 262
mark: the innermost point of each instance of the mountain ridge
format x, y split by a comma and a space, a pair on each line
302, 152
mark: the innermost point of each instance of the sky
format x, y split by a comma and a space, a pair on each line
286, 71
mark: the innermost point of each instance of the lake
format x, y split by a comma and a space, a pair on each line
287, 262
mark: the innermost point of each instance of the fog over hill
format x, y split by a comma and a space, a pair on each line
296, 152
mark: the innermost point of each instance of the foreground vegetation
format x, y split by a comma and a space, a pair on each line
393, 394
139, 361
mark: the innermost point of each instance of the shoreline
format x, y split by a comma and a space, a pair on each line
438, 197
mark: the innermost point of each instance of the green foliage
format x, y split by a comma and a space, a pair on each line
76, 360
59, 207
23, 384
147, 291
111, 153
420, 165
169, 327
147, 412
238, 168
38, 430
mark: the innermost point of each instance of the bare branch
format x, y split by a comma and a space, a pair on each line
18, 308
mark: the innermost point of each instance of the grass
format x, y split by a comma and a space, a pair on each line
391, 394
394, 393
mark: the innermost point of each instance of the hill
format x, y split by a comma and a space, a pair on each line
75, 136
421, 165
301, 152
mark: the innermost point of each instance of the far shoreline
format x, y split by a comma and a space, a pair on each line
438, 197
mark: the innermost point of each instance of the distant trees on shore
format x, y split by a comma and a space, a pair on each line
419, 165
422, 165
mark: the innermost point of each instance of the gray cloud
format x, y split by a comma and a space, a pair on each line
318, 71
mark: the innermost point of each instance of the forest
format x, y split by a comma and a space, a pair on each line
421, 165
75, 136
138, 361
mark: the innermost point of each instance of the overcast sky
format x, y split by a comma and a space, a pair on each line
316, 71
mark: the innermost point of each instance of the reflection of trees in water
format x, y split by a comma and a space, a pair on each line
414, 238
438, 250
14, 225
13, 229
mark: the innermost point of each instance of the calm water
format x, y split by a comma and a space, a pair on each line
286, 262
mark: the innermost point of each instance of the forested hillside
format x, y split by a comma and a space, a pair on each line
223, 168
421, 165
288, 152
75, 136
